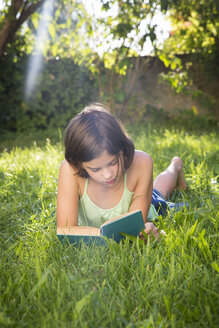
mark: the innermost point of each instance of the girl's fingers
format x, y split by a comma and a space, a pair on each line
150, 228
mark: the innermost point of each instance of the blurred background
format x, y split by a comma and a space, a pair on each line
152, 60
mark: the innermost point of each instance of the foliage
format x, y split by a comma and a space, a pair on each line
177, 76
195, 32
13, 15
65, 89
171, 283
123, 30
195, 27
68, 31
127, 30
66, 26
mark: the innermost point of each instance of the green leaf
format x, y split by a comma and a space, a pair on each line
52, 30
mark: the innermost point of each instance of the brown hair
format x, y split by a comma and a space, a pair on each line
91, 132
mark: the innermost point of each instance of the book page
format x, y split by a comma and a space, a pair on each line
78, 231
119, 217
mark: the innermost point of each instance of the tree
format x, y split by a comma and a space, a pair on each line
194, 35
127, 31
195, 28
14, 14
195, 38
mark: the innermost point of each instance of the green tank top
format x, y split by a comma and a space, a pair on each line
89, 214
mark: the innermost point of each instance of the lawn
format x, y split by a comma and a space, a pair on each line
171, 283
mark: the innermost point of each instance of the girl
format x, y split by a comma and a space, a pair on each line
103, 176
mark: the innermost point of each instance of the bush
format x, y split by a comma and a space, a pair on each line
60, 94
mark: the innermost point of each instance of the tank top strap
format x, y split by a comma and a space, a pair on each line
125, 180
85, 187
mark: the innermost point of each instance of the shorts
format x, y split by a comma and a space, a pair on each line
162, 206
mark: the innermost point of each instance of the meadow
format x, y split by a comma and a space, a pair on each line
172, 282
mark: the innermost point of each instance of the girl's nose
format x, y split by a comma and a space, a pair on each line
107, 173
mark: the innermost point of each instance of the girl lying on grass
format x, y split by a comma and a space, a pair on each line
103, 176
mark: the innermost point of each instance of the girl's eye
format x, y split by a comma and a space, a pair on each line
113, 163
94, 170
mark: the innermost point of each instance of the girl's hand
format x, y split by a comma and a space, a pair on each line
150, 228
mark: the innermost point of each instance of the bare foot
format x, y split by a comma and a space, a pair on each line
178, 163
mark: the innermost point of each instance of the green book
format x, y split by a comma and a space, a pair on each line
130, 223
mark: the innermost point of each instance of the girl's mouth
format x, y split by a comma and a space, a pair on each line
110, 181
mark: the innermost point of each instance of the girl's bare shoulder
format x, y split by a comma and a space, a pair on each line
141, 160
141, 167
68, 172
67, 167
68, 175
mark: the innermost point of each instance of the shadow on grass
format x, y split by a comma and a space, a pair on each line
28, 139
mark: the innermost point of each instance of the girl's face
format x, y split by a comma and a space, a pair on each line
106, 169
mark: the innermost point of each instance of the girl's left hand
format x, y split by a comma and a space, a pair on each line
150, 228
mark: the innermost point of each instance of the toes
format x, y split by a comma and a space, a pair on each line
177, 161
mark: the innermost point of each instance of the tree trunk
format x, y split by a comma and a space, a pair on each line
6, 34
132, 76
12, 23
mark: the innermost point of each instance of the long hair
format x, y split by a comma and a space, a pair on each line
91, 132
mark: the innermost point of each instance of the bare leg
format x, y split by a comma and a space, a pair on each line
172, 178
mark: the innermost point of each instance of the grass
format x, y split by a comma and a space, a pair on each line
173, 283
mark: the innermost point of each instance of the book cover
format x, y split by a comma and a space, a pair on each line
79, 234
130, 223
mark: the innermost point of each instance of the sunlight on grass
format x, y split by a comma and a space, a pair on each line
171, 283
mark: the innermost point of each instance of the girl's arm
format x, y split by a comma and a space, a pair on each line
67, 198
68, 195
143, 170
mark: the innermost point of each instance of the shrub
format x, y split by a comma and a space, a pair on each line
63, 88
